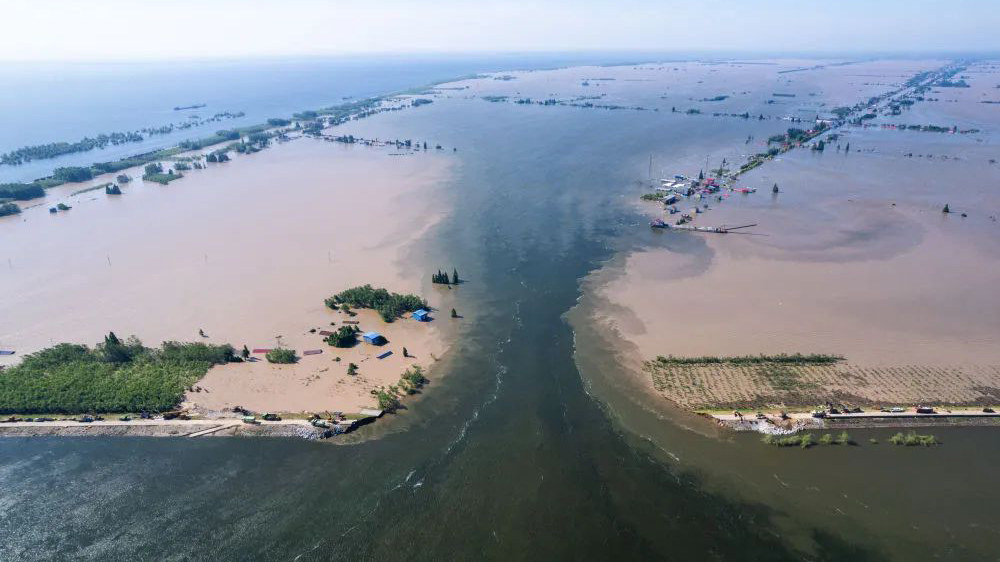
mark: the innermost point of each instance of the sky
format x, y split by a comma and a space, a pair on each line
159, 29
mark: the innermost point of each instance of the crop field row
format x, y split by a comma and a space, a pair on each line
721, 385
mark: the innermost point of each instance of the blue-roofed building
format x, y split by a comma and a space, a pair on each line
422, 315
373, 338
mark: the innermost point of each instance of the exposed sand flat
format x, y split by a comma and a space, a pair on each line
319, 382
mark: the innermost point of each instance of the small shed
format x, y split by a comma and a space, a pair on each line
373, 338
422, 315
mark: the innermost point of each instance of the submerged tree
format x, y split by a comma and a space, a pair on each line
281, 355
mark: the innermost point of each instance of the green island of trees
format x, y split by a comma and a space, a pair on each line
7, 209
912, 439
805, 440
389, 305
345, 336
114, 376
154, 172
21, 191
281, 355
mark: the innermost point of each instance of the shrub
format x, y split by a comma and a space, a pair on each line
9, 209
281, 355
345, 336
21, 191
412, 379
387, 401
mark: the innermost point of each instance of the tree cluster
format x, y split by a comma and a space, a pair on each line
389, 305
21, 191
73, 174
114, 376
345, 336
281, 355
442, 278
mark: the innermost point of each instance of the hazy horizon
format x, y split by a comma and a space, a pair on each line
118, 30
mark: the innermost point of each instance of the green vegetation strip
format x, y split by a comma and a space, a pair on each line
793, 359
805, 440
114, 376
95, 188
912, 439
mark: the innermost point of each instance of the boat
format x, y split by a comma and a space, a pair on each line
250, 419
658, 223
